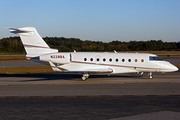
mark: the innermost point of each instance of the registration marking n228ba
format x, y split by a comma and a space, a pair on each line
57, 56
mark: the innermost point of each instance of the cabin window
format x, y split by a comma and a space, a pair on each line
97, 59
104, 59
91, 59
123, 60
135, 60
156, 58
85, 59
117, 60
142, 60
110, 60
129, 60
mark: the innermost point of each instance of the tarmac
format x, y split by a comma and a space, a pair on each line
55, 96
58, 84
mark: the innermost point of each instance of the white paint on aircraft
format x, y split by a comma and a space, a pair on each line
89, 62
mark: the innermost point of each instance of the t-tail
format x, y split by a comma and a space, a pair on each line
32, 41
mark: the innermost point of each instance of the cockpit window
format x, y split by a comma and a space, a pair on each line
156, 58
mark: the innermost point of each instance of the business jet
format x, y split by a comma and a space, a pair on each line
89, 63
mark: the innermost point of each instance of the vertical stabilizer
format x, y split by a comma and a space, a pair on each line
32, 41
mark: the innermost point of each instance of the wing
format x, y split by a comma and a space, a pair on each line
97, 70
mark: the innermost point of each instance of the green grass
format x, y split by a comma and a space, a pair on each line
177, 65
25, 70
12, 53
12, 58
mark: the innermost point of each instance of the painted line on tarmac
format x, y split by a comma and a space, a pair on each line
90, 96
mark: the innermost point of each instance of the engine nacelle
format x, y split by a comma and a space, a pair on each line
61, 58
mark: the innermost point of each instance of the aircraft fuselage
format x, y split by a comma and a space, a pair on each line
117, 62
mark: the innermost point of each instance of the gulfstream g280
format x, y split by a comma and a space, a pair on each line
89, 62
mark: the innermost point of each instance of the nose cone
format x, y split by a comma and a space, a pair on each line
175, 68
172, 68
168, 67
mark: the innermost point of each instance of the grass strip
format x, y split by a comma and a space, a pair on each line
26, 70
177, 65
13, 58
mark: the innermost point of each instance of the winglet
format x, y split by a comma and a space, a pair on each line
54, 67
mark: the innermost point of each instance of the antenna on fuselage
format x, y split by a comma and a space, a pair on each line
74, 50
115, 51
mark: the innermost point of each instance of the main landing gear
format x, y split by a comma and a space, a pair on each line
84, 77
150, 75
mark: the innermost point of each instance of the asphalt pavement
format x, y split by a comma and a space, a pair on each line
54, 96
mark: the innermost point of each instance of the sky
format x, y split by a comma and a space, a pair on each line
96, 20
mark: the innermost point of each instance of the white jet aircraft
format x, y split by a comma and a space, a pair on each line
89, 62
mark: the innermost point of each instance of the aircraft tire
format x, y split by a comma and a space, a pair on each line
83, 78
150, 77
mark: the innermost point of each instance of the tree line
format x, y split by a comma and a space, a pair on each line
14, 45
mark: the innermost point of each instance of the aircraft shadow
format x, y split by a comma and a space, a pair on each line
63, 76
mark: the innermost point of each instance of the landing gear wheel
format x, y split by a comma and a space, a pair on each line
83, 78
150, 75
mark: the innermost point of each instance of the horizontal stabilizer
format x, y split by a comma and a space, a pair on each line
14, 30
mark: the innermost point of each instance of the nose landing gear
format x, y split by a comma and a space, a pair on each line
150, 75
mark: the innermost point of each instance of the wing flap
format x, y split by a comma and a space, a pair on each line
105, 71
97, 70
